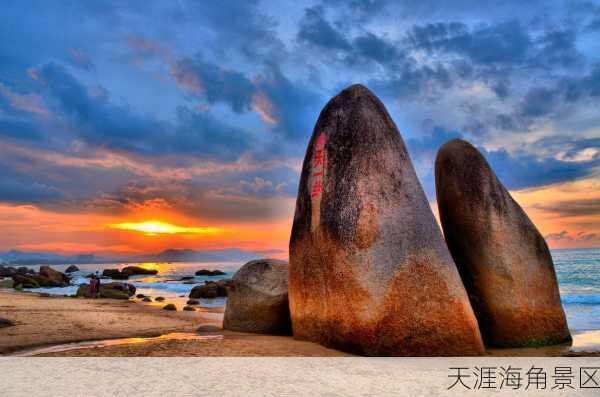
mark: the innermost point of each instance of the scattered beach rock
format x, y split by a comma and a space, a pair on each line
191, 282
184, 278
147, 299
211, 289
206, 291
7, 271
24, 270
258, 298
189, 308
4, 322
55, 277
192, 302
137, 270
169, 306
140, 296
159, 299
115, 274
109, 290
206, 272
72, 269
20, 281
504, 261
370, 272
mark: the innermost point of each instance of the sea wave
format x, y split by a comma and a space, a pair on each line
581, 299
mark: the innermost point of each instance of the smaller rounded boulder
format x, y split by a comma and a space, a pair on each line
258, 298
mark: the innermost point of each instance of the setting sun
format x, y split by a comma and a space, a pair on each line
154, 228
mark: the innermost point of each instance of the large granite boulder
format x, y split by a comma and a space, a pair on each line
504, 261
72, 269
258, 298
109, 290
369, 270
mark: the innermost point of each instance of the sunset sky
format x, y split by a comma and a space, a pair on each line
128, 129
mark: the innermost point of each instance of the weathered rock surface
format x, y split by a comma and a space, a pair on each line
258, 298
369, 270
109, 290
72, 269
504, 261
170, 307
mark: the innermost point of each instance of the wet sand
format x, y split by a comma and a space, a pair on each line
126, 328
46, 321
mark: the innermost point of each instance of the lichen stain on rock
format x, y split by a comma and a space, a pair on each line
367, 229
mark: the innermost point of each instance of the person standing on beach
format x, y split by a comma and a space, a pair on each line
93, 286
97, 281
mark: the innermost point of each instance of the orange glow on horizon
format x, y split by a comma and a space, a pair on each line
155, 228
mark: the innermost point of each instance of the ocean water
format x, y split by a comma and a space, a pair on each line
167, 283
578, 272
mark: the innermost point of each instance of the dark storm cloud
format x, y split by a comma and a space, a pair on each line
286, 105
214, 83
316, 30
102, 123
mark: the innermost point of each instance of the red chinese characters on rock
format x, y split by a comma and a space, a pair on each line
318, 167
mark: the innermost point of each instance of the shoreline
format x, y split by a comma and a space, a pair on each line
118, 328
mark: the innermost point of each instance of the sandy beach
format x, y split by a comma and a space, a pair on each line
59, 326
46, 321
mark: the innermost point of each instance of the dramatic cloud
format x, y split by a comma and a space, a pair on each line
203, 110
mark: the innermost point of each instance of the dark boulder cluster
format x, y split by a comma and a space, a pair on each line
127, 272
9, 271
45, 278
371, 273
109, 291
206, 272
